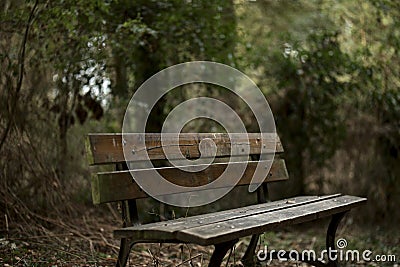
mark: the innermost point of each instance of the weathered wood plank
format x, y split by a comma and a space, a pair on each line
115, 186
108, 148
240, 222
167, 229
259, 223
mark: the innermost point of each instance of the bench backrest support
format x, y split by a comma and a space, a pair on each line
118, 185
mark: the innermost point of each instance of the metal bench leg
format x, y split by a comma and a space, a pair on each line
330, 236
220, 250
248, 257
330, 245
124, 250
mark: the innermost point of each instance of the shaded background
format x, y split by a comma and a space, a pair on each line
329, 69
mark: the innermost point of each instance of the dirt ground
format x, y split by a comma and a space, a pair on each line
88, 241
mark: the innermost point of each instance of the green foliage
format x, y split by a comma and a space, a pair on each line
329, 69
82, 58
315, 80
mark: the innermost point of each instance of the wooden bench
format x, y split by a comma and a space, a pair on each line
223, 228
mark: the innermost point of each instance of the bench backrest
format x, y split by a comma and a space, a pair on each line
119, 185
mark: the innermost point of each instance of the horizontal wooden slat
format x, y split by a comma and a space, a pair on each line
167, 229
230, 225
259, 223
115, 186
108, 148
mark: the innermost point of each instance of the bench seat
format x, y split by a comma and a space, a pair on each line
218, 227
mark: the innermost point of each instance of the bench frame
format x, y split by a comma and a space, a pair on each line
130, 218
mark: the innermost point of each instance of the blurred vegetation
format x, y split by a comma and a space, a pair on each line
329, 69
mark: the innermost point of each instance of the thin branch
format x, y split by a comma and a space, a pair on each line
189, 260
21, 63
